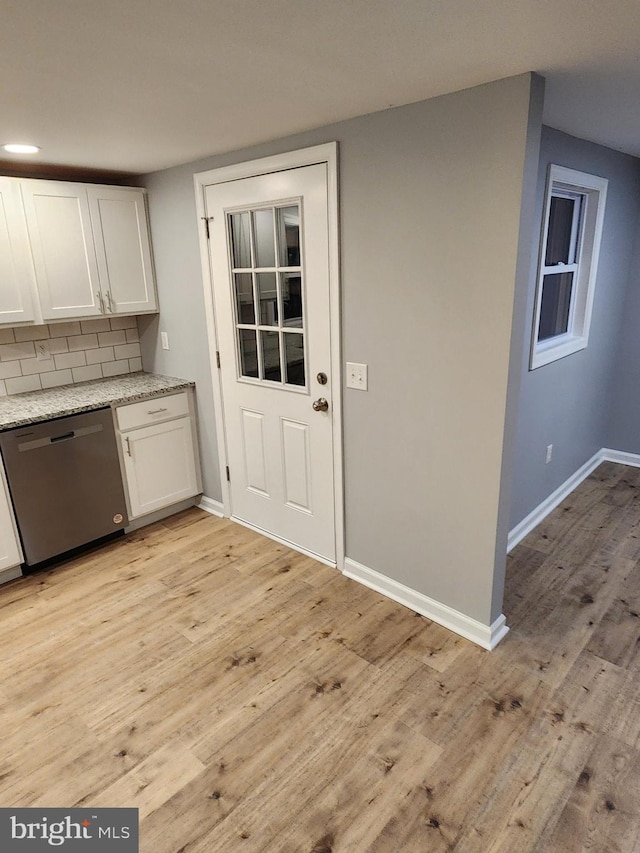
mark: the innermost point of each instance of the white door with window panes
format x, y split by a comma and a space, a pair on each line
269, 254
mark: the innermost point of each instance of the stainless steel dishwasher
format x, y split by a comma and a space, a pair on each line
65, 482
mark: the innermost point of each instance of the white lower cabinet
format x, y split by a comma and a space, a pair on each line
160, 460
10, 550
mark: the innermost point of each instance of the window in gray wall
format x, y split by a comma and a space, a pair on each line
572, 228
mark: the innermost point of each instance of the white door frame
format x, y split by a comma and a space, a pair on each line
327, 153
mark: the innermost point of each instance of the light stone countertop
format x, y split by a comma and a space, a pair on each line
21, 409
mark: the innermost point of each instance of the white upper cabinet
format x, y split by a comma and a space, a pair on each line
16, 274
87, 246
62, 247
123, 251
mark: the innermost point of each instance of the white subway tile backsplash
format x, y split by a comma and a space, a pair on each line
97, 356
70, 359
58, 377
128, 351
57, 345
113, 368
100, 324
63, 330
23, 384
124, 323
83, 374
31, 333
9, 369
33, 365
77, 342
109, 339
11, 352
80, 351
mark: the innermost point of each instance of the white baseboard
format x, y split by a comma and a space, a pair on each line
549, 504
487, 636
621, 457
212, 506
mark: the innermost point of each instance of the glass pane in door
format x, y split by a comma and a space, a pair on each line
264, 238
271, 356
248, 352
268, 298
289, 236
294, 358
244, 297
240, 240
291, 284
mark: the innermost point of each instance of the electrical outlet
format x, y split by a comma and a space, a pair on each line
357, 376
43, 353
164, 340
549, 453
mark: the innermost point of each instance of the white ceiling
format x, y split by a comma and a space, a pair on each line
139, 85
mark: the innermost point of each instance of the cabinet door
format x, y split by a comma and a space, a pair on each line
10, 551
16, 274
160, 467
123, 250
62, 247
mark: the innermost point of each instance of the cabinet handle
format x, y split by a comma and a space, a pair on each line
101, 299
128, 440
156, 411
110, 301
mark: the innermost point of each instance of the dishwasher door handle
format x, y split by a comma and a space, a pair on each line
63, 437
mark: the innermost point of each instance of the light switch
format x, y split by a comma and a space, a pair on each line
164, 340
356, 376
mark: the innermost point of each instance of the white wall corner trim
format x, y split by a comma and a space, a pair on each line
212, 506
563, 491
487, 636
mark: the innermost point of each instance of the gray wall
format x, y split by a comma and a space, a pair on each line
569, 402
624, 423
430, 214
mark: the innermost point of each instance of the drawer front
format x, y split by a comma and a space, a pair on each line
152, 411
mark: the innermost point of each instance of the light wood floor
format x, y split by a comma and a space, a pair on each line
246, 698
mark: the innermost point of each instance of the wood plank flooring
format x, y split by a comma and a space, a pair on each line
246, 698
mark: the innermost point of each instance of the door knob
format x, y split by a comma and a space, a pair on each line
320, 405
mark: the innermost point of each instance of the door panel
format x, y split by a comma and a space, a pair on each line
296, 464
254, 451
269, 253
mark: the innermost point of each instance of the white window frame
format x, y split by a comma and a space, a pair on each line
586, 238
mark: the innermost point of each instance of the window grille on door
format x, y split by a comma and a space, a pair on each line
267, 276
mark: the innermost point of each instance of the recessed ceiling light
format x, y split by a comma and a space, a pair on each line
20, 148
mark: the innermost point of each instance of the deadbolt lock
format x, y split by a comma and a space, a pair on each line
322, 378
